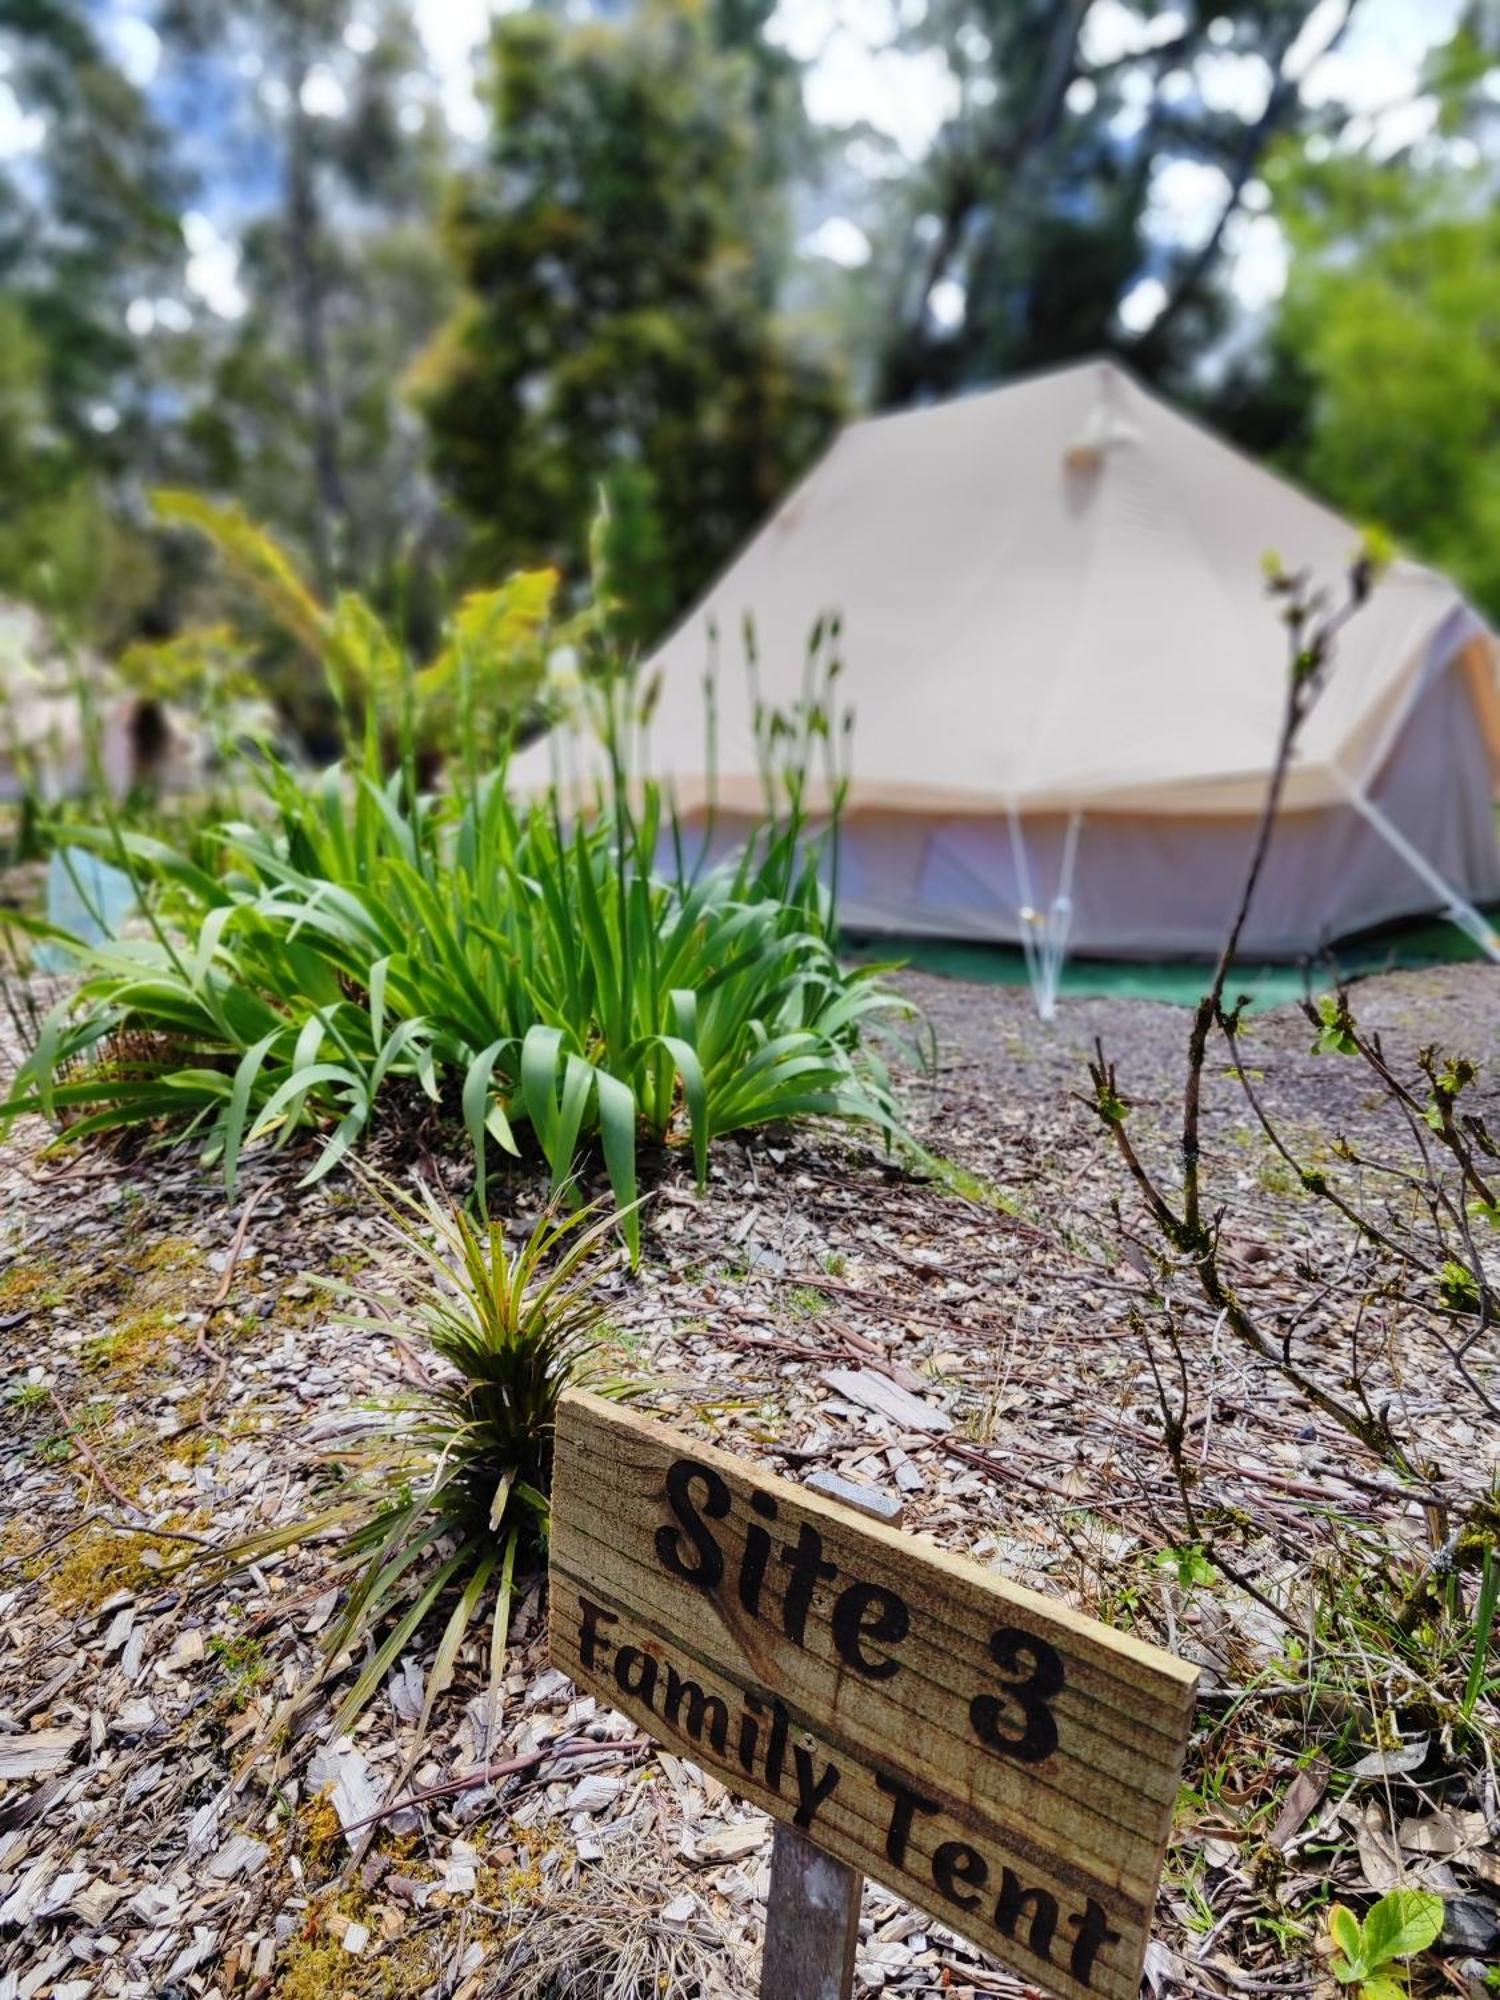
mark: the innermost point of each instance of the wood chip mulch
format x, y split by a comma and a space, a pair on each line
172, 1379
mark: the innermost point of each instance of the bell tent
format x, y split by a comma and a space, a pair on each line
1067, 678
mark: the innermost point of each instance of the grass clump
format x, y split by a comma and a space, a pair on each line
450, 1493
244, 1662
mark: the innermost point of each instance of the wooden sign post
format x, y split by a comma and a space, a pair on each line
1006, 1763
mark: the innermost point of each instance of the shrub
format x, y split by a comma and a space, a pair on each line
365, 940
1378, 1332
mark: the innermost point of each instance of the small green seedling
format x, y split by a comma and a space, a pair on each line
1189, 1565
1404, 1921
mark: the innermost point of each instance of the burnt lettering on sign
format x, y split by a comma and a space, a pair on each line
1008, 1764
1018, 1722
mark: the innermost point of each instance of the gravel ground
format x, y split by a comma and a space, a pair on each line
174, 1378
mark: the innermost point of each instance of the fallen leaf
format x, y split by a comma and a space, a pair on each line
1302, 1799
1392, 1763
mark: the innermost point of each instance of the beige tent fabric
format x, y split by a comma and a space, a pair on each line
1053, 602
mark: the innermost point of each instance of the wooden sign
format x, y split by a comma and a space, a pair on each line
1004, 1762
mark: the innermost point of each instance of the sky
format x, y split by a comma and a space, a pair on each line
855, 74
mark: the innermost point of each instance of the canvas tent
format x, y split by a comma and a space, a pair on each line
1067, 680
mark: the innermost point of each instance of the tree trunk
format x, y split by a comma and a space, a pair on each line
1018, 156
1251, 150
303, 231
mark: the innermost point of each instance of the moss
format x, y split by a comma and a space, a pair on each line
348, 1263
1480, 1535
318, 1968
172, 1253
315, 1966
313, 1970
322, 1837
94, 1566
95, 1563
132, 1343
806, 1301
162, 1277
967, 1185
522, 1882
34, 1284
1274, 1177
189, 1446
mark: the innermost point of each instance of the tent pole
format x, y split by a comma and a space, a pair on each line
1456, 909
1026, 917
1060, 916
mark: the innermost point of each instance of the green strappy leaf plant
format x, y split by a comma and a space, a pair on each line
433, 1512
357, 943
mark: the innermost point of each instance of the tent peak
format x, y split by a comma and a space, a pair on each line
1106, 370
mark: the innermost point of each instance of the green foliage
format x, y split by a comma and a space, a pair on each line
1336, 1035
1402, 1923
617, 326
1486, 1612
501, 965
1458, 1288
490, 672
1189, 1565
471, 697
1387, 319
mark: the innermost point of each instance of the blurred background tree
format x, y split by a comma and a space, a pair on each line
1036, 214
301, 415
89, 206
619, 328
1379, 380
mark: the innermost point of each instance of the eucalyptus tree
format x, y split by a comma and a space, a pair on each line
1036, 213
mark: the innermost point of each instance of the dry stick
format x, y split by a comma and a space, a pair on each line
1374, 1434
1210, 1006
1188, 1232
1431, 1189
999, 1469
202, 1345
474, 1781
85, 1452
1309, 659
1173, 1436
1323, 1187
